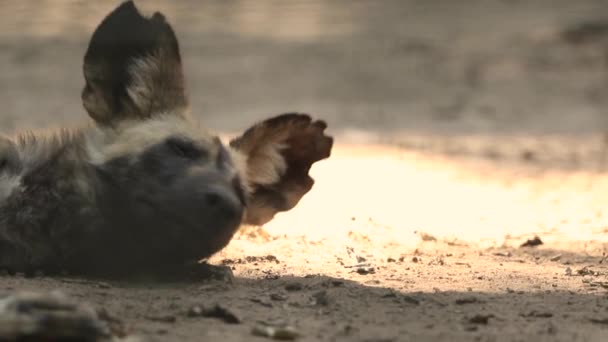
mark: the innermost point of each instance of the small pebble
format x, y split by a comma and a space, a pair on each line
294, 287
284, 333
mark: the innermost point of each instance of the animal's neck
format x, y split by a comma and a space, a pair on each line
31, 151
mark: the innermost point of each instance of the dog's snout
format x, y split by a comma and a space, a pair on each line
223, 203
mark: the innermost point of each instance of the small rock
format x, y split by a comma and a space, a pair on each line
337, 283
411, 300
538, 314
195, 311
294, 286
466, 300
536, 241
602, 284
587, 271
278, 297
437, 261
282, 333
31, 316
273, 258
602, 321
556, 258
426, 237
217, 311
480, 319
366, 270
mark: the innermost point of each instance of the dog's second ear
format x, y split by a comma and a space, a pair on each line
133, 68
280, 152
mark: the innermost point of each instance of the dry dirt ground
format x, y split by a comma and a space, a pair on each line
463, 130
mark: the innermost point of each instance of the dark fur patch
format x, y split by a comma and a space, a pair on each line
9, 157
306, 143
122, 38
36, 223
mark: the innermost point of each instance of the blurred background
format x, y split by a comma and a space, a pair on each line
422, 66
508, 82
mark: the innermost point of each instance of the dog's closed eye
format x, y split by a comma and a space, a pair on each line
186, 148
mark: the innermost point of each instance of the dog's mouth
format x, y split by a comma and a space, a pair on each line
189, 230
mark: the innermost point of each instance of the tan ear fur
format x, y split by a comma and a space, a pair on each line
279, 154
132, 68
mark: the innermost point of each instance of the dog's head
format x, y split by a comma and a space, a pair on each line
171, 168
169, 188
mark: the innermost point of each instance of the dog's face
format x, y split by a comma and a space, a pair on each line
174, 188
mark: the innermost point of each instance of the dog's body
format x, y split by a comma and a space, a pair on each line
144, 188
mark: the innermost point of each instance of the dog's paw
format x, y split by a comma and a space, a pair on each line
280, 152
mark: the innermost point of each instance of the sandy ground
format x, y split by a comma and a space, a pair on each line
463, 130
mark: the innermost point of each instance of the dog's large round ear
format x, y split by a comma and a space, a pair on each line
280, 152
132, 68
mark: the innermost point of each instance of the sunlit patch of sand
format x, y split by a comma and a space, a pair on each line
385, 198
392, 193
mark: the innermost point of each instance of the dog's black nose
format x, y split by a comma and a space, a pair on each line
223, 203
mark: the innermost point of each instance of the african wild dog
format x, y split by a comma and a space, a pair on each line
144, 188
